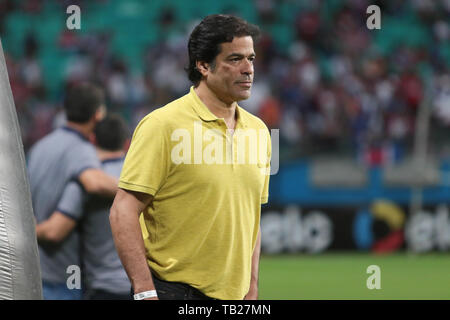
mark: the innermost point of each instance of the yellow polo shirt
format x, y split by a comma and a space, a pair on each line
208, 187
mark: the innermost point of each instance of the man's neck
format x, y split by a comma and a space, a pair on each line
218, 107
84, 129
107, 155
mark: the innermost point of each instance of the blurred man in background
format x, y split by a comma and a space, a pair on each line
104, 277
64, 155
202, 220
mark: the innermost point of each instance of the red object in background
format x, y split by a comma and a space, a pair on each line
32, 6
68, 39
308, 25
270, 112
411, 89
375, 156
388, 244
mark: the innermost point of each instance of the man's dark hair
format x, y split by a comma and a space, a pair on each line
205, 39
82, 101
111, 133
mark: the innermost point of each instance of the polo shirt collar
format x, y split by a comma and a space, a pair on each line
74, 131
241, 120
200, 108
116, 159
206, 115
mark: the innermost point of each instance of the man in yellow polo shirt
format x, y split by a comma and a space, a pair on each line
198, 170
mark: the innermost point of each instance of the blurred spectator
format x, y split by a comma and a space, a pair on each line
6, 7
337, 87
32, 6
442, 99
270, 112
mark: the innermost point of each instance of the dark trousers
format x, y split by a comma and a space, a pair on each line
168, 290
105, 295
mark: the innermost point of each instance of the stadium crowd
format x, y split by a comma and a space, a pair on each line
337, 88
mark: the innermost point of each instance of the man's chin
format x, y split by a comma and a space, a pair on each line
243, 95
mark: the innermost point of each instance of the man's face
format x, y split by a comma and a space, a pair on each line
230, 76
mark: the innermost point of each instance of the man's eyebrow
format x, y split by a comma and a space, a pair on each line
240, 55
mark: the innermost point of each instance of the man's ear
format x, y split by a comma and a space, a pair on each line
100, 114
203, 68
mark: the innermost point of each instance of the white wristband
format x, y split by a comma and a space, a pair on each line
145, 295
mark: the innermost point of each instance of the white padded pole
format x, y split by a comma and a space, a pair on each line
20, 273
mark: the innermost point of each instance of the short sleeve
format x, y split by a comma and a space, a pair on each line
147, 162
72, 201
265, 192
81, 158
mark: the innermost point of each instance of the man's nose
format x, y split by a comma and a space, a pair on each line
247, 67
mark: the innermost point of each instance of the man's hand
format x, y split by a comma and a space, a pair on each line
55, 229
252, 293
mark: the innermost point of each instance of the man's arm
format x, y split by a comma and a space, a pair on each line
97, 182
124, 220
64, 219
55, 229
253, 291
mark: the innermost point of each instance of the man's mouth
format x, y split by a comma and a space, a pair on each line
246, 84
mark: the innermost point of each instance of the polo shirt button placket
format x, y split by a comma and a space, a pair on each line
229, 141
234, 150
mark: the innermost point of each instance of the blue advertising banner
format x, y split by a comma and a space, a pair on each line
382, 227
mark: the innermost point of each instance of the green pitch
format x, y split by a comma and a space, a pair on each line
343, 276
